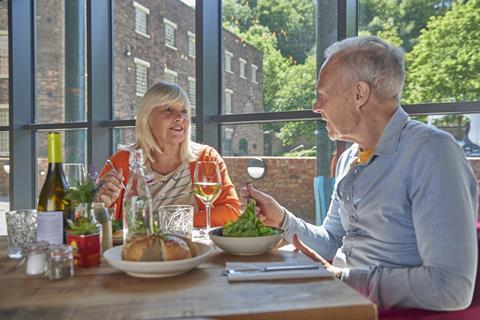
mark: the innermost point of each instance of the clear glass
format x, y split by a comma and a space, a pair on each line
61, 61
21, 230
268, 55
137, 201
36, 254
142, 55
207, 187
176, 219
59, 262
429, 31
74, 172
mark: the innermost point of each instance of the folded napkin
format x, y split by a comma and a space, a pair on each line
241, 271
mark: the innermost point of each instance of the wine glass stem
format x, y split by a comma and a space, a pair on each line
208, 207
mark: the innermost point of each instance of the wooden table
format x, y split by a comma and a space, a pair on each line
106, 293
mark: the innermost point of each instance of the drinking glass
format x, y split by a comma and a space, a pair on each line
176, 219
207, 187
21, 230
74, 172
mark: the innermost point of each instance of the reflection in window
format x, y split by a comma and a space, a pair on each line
228, 61
243, 147
170, 76
141, 76
191, 44
227, 142
3, 54
141, 14
242, 67
170, 33
228, 100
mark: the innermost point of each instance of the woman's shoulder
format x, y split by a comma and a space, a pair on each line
203, 151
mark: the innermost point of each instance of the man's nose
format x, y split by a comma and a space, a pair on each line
316, 106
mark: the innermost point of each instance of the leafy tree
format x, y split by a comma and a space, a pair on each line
445, 63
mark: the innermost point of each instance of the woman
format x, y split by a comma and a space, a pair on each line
163, 133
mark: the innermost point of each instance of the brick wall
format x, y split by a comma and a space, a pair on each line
289, 180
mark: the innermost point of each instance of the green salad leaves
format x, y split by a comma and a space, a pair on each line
248, 225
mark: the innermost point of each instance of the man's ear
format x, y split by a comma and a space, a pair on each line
361, 93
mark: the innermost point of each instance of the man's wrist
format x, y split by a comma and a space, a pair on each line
342, 274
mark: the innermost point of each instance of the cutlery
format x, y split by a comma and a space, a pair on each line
110, 163
271, 269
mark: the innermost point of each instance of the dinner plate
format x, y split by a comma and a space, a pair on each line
156, 269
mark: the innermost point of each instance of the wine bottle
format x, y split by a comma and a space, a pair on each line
52, 202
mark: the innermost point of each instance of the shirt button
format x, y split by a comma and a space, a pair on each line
355, 171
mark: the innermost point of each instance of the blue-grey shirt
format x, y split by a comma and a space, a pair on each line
404, 221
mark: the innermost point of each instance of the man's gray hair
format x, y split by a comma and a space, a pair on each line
370, 59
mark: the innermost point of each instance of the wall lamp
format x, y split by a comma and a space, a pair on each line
256, 168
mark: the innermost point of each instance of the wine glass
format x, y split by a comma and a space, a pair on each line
74, 172
207, 186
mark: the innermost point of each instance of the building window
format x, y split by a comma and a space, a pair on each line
170, 28
243, 147
227, 142
141, 76
4, 55
228, 61
141, 17
192, 91
254, 73
191, 44
228, 100
4, 134
242, 67
170, 76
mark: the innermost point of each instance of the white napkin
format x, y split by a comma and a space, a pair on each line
272, 275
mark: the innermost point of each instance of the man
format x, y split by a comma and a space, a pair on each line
403, 211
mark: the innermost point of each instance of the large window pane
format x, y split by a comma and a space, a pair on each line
268, 55
153, 40
60, 61
441, 41
4, 104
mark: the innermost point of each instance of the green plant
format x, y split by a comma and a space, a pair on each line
82, 195
84, 192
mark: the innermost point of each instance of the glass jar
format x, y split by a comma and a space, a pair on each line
36, 255
59, 262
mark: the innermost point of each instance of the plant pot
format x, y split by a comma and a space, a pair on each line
86, 249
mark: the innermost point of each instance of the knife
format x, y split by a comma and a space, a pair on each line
272, 268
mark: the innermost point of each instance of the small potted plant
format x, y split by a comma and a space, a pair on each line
83, 232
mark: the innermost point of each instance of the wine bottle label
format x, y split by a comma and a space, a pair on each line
50, 227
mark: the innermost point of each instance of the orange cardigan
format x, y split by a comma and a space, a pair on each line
224, 209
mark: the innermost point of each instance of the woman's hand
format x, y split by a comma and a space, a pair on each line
110, 186
267, 209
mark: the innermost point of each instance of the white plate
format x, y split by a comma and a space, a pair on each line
156, 269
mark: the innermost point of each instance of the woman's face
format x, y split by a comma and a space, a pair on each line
169, 124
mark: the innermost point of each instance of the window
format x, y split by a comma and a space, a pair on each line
254, 73
3, 55
191, 44
170, 28
242, 68
228, 100
228, 61
141, 76
4, 134
170, 76
192, 91
141, 17
227, 142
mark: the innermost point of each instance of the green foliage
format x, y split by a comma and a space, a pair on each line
301, 153
247, 225
82, 226
84, 192
445, 63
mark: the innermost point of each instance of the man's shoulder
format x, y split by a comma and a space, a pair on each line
416, 132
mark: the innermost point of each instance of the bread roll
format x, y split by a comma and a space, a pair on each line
159, 247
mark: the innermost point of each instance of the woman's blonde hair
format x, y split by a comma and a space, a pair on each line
161, 94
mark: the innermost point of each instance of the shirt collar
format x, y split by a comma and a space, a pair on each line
390, 137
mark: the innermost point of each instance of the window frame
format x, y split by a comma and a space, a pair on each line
5, 74
191, 44
141, 8
170, 72
143, 64
230, 59
192, 91
254, 73
173, 26
229, 106
242, 72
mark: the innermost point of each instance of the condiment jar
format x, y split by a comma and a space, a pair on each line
59, 262
36, 255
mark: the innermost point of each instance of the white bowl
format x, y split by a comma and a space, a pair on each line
245, 246
156, 269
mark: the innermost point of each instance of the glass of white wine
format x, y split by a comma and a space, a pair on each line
207, 187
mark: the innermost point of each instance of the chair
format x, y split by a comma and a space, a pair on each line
323, 189
471, 313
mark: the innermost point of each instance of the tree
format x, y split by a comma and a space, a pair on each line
445, 63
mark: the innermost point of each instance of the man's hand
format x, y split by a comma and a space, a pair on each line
300, 246
267, 209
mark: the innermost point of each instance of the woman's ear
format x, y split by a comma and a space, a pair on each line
361, 93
